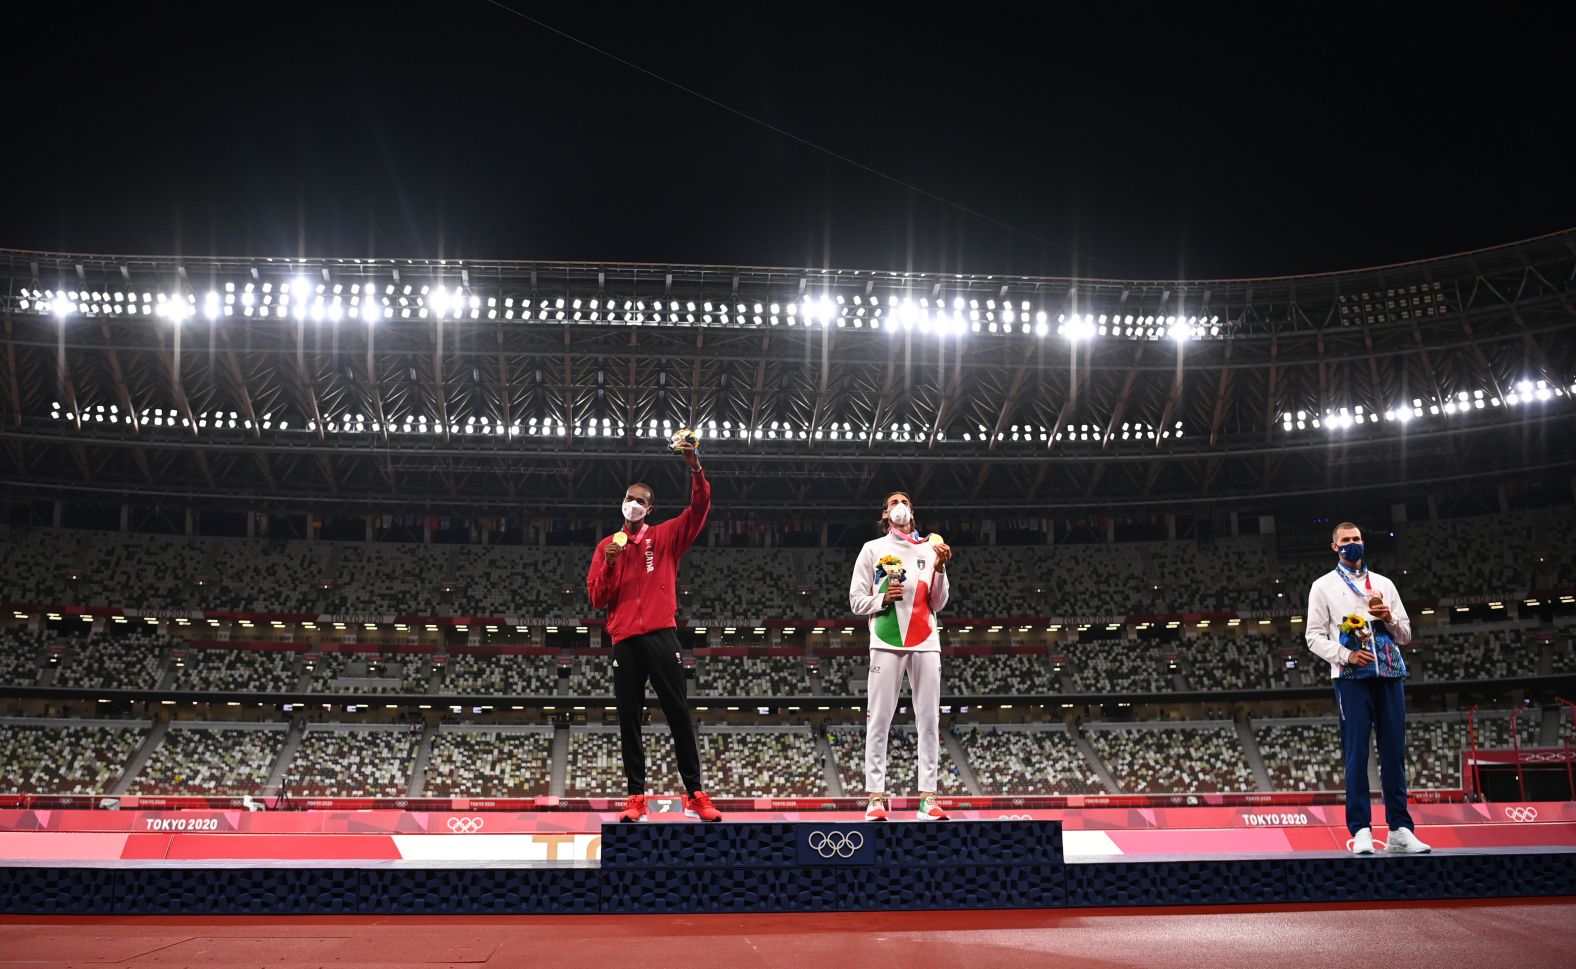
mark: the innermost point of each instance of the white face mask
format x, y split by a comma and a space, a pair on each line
901, 514
634, 511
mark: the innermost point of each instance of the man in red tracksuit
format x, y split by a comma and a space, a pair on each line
635, 581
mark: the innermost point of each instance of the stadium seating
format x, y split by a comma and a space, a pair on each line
1169, 758
477, 762
336, 760
65, 756
1009, 761
211, 758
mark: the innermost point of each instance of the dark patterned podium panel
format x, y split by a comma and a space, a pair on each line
831, 889
699, 845
485, 891
950, 843
790, 845
1174, 882
238, 891
57, 891
986, 870
1332, 878
831, 866
301, 891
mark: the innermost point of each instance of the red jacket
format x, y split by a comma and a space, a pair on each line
639, 588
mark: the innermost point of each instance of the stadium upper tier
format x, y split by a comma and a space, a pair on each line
186, 615
1511, 555
547, 386
154, 666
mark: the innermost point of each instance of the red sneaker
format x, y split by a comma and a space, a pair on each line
634, 810
876, 809
929, 810
699, 807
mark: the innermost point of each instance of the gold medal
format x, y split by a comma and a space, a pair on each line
620, 539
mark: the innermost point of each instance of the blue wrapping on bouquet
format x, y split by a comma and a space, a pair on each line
1375, 637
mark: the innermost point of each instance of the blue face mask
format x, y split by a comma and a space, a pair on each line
1352, 553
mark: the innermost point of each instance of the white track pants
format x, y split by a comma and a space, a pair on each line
887, 669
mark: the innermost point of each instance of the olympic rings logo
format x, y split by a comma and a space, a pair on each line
465, 825
1521, 815
835, 844
1015, 817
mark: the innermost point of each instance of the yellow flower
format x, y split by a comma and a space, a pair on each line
1353, 623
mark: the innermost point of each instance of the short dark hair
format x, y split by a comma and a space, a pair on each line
650, 495
1337, 529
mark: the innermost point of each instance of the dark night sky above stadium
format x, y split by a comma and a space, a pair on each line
1148, 143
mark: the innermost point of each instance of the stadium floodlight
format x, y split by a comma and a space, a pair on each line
177, 310
438, 301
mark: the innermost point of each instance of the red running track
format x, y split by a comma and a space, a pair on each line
1525, 933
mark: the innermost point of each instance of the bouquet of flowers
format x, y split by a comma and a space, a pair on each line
1356, 626
1359, 633
891, 567
681, 437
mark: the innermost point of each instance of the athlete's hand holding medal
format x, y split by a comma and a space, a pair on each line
943, 550
616, 546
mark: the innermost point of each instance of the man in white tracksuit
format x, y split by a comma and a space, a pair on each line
1369, 678
900, 583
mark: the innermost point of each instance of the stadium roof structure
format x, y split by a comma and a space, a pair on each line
544, 386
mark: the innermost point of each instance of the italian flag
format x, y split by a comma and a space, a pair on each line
901, 624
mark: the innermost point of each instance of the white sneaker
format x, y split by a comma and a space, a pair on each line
1362, 842
876, 809
1404, 842
929, 810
